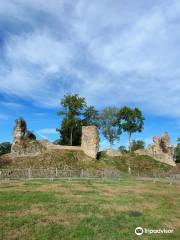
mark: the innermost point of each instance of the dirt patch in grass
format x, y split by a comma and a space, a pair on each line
56, 188
22, 233
57, 219
8, 186
114, 208
111, 192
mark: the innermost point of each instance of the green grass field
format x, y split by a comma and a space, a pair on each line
88, 209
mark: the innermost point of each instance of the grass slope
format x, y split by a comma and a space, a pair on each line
137, 163
87, 210
70, 159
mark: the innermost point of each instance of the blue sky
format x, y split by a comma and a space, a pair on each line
118, 52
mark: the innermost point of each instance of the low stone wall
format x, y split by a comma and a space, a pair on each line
51, 146
113, 153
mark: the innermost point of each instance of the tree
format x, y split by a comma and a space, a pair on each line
91, 116
75, 114
137, 144
70, 131
108, 122
123, 149
131, 121
177, 151
5, 147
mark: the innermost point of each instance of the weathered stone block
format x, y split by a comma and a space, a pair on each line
90, 141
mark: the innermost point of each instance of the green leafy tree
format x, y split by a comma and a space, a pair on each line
123, 149
70, 131
109, 127
177, 151
137, 144
57, 142
131, 121
91, 117
5, 147
75, 114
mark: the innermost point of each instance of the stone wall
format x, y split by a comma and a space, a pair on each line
162, 150
113, 153
90, 141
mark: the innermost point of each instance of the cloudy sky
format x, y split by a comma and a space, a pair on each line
113, 52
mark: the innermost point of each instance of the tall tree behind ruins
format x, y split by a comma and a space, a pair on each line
72, 108
131, 121
76, 114
109, 127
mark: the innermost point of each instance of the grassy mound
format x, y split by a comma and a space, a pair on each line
50, 158
71, 159
136, 162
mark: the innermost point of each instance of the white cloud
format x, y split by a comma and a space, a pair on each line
11, 105
45, 133
41, 49
111, 52
37, 63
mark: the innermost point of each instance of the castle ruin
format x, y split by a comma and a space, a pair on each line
25, 143
161, 150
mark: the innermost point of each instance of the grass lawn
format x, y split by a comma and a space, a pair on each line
88, 209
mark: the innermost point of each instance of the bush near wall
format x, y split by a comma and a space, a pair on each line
5, 147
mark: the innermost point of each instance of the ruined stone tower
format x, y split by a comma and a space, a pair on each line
19, 130
24, 142
90, 140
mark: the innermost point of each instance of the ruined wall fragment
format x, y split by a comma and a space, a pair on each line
90, 141
161, 150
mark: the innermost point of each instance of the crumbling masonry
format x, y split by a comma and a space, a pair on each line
161, 150
25, 143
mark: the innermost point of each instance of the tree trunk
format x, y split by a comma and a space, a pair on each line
129, 141
71, 136
111, 142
